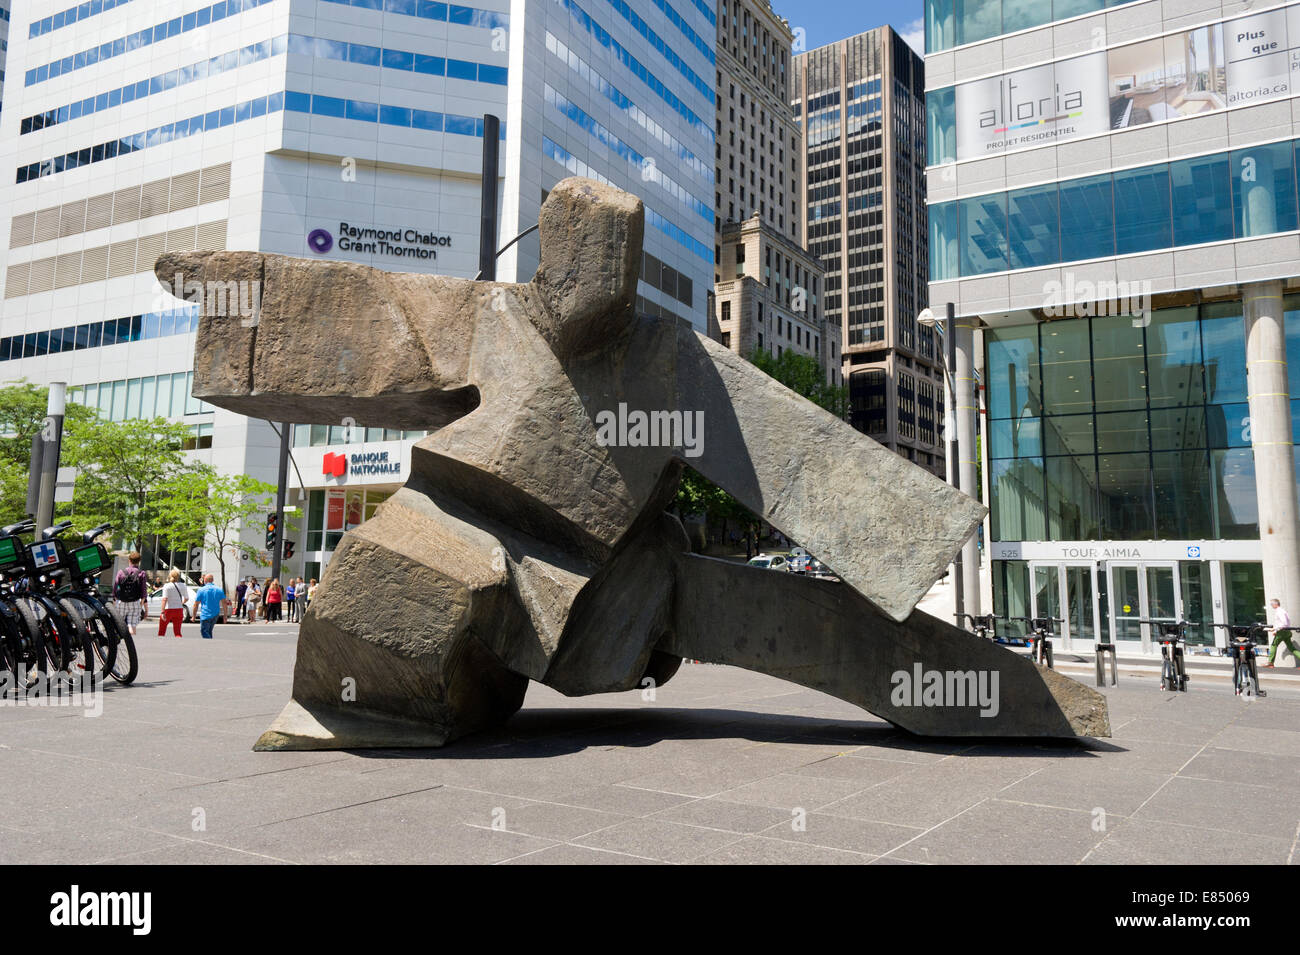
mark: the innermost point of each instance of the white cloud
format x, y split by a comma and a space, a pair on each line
913, 35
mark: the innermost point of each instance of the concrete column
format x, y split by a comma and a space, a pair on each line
1270, 437
965, 401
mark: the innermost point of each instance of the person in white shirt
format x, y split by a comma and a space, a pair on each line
1281, 630
174, 596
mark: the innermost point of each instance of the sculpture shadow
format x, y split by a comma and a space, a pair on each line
546, 731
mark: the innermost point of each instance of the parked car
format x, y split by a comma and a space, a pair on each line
771, 562
155, 605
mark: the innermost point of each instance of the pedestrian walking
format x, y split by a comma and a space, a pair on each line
175, 596
274, 598
311, 592
241, 589
131, 591
254, 597
207, 605
290, 595
1281, 631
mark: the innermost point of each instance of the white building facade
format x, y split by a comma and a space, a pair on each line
336, 129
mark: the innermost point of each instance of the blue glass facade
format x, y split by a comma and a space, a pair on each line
114, 331
72, 15
950, 23
1230, 195
453, 13
1110, 428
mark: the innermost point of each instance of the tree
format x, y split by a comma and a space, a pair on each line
801, 374
202, 505
22, 414
805, 376
125, 472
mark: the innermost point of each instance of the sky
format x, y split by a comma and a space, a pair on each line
825, 21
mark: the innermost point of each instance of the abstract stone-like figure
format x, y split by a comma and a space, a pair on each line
527, 546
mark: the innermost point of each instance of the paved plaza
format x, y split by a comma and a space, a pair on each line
724, 766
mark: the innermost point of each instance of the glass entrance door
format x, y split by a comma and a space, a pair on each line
1147, 591
1080, 607
1068, 592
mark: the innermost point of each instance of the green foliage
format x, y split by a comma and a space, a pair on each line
203, 506
697, 495
22, 413
803, 375
126, 471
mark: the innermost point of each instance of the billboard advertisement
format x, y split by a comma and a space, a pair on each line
1236, 62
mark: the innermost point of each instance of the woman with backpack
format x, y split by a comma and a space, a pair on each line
131, 591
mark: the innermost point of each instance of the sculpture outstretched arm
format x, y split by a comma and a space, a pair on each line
885, 526
310, 341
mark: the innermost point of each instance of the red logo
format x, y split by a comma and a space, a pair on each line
334, 464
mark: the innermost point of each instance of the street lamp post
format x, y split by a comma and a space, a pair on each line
928, 319
52, 439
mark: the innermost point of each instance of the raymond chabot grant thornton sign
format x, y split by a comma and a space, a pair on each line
400, 242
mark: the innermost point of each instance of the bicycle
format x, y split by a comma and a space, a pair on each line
25, 656
68, 645
1040, 639
104, 623
1173, 671
983, 624
1241, 647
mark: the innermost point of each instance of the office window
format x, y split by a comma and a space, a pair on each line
1263, 189
983, 222
1087, 218
1033, 227
1142, 209
1202, 197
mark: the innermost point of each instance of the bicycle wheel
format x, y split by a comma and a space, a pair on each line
103, 639
1047, 655
127, 666
74, 653
1166, 679
83, 658
10, 657
34, 653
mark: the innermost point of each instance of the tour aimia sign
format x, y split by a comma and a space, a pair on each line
400, 242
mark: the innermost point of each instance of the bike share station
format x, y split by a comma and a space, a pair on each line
1157, 599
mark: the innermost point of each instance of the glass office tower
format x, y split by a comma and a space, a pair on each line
346, 130
1113, 214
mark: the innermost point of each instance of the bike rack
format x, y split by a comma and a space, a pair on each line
1104, 650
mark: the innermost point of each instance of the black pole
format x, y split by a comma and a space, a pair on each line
280, 483
34, 474
950, 327
487, 227
52, 433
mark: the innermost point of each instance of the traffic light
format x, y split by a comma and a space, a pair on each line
288, 549
272, 532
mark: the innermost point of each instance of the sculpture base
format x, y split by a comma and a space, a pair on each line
298, 728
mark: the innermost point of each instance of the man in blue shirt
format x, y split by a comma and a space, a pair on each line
207, 605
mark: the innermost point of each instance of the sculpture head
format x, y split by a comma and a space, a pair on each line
315, 341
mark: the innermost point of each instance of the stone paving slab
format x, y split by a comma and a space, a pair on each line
723, 767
